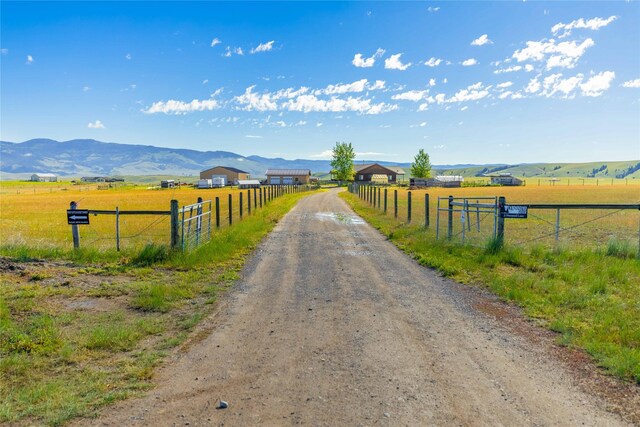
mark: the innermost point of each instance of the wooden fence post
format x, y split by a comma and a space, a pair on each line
379, 190
75, 232
248, 202
240, 203
117, 229
385, 200
408, 206
217, 212
374, 196
395, 203
426, 210
255, 198
450, 219
500, 231
174, 225
230, 210
261, 197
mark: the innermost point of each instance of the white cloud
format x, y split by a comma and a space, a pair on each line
508, 69
632, 83
205, 81
432, 82
357, 86
253, 136
230, 51
319, 124
215, 41
423, 124
423, 107
591, 24
394, 63
128, 56
473, 92
528, 68
564, 54
311, 103
482, 40
597, 84
433, 62
464, 108
30, 59
86, 89
238, 51
96, 125
256, 102
180, 107
263, 47
533, 86
432, 9
326, 154
412, 95
469, 62
505, 84
361, 62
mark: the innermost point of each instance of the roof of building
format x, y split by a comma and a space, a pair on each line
248, 182
229, 168
45, 175
288, 172
395, 169
449, 178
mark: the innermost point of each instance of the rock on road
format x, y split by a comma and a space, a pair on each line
332, 325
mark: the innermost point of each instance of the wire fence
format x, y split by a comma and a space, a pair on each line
475, 220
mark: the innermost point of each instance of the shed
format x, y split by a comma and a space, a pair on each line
288, 176
169, 183
230, 174
248, 183
44, 177
505, 179
365, 173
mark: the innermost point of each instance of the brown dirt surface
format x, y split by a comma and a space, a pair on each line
332, 325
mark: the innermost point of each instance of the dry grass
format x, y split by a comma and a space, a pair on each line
39, 220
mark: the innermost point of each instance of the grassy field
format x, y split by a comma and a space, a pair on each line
39, 219
587, 293
82, 329
579, 228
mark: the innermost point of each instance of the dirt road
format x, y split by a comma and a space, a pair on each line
333, 325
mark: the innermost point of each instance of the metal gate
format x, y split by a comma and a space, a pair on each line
196, 224
473, 220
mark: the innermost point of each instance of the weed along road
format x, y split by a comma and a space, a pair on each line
333, 325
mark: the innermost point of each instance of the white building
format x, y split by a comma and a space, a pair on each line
44, 177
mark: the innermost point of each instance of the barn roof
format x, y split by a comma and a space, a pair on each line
248, 182
229, 168
288, 172
45, 175
395, 169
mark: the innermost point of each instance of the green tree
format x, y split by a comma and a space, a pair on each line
421, 166
342, 162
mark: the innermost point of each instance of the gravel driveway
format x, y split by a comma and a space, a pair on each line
333, 325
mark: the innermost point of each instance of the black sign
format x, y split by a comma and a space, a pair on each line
514, 211
75, 217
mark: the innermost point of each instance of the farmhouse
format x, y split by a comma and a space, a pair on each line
366, 173
230, 175
505, 179
288, 176
44, 177
446, 181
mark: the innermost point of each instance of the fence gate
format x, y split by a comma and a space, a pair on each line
472, 220
196, 224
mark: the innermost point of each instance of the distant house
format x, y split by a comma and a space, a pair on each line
231, 175
366, 173
505, 179
288, 176
44, 177
447, 181
169, 183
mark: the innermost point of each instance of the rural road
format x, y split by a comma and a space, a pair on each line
332, 325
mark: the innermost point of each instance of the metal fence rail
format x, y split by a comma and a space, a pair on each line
196, 224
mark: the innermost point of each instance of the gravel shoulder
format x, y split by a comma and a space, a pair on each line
332, 325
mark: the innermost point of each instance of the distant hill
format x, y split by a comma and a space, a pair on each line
87, 157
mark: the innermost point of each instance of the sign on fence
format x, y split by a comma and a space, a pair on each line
76, 217
514, 211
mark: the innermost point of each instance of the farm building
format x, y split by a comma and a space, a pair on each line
288, 176
365, 173
505, 179
231, 175
169, 183
447, 181
44, 177
248, 183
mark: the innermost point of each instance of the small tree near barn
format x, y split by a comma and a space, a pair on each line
421, 167
342, 162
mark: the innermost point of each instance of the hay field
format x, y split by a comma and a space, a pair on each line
580, 228
39, 219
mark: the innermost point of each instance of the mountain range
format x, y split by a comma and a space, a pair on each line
88, 157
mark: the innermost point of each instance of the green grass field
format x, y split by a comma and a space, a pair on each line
587, 293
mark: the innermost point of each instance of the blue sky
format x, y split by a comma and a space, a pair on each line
470, 82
